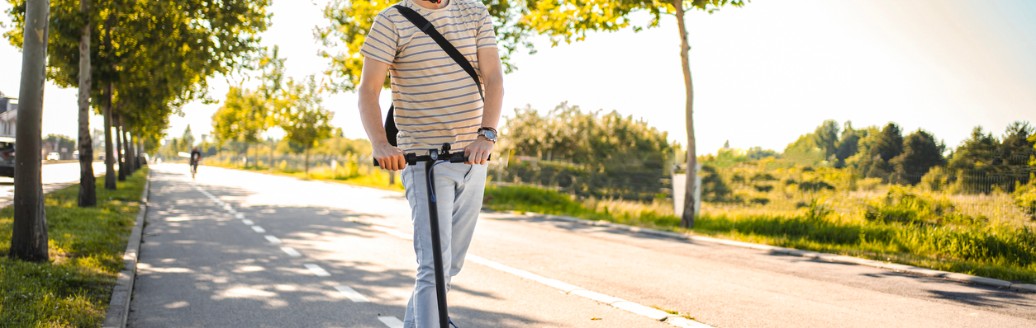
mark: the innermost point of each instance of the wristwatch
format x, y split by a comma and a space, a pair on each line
488, 133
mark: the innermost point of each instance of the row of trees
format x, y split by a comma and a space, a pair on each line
979, 163
136, 63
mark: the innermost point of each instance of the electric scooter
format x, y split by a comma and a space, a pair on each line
435, 157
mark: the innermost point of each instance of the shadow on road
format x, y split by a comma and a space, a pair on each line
201, 267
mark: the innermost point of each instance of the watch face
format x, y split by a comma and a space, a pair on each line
489, 134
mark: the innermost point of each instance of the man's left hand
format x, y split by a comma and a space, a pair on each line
478, 151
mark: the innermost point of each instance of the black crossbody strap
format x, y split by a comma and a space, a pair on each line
426, 26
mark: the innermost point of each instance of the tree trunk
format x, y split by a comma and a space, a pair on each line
29, 234
305, 161
119, 155
131, 155
127, 150
87, 182
109, 160
690, 210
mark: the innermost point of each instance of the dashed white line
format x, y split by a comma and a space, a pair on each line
291, 251
273, 240
247, 221
616, 302
258, 229
240, 216
317, 270
391, 322
352, 294
566, 288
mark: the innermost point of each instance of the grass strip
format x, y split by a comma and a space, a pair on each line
86, 246
986, 250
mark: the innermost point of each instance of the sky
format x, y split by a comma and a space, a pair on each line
763, 74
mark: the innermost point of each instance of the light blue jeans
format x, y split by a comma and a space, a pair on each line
459, 188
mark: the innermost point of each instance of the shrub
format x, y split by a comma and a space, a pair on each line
902, 206
1025, 197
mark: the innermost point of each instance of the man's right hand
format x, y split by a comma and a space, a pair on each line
389, 157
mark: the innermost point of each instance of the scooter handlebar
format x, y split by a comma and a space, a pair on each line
412, 159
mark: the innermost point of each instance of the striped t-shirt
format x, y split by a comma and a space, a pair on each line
435, 100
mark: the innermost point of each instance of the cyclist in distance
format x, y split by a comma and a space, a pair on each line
195, 158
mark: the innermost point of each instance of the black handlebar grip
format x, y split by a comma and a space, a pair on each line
412, 159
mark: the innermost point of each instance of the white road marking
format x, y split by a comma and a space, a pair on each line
273, 240
352, 294
291, 251
240, 216
635, 308
317, 270
391, 322
570, 289
247, 221
258, 229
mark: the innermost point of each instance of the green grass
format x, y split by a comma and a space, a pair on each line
996, 250
86, 246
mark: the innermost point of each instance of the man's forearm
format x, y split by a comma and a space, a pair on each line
494, 102
370, 115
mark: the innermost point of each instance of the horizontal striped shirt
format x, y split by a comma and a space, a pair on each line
435, 100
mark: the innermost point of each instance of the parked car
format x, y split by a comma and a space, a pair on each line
53, 156
7, 157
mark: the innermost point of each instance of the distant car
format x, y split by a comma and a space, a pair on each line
7, 157
53, 156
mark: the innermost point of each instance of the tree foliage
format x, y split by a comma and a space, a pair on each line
158, 55
921, 152
600, 151
304, 119
983, 161
241, 118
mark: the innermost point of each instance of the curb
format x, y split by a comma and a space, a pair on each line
118, 307
826, 257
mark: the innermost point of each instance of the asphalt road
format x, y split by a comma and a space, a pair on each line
240, 249
54, 176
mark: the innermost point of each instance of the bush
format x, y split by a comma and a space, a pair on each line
902, 206
1025, 197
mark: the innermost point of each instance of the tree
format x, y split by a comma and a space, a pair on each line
848, 144
876, 150
804, 151
246, 114
87, 190
305, 120
921, 152
29, 233
59, 143
242, 118
1013, 155
826, 137
973, 161
187, 139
